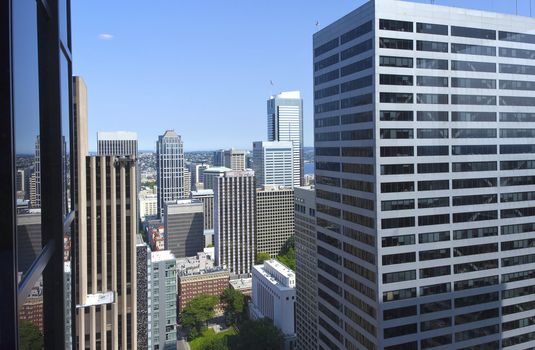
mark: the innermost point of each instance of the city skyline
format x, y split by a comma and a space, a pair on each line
100, 47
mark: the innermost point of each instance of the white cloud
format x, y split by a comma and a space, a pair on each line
105, 36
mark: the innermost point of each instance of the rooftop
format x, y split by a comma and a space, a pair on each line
207, 192
162, 255
288, 94
117, 135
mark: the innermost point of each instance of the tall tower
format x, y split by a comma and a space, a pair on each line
170, 168
234, 220
424, 127
273, 163
234, 159
285, 123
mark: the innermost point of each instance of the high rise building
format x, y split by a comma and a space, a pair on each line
274, 218
219, 158
148, 204
273, 163
170, 168
107, 255
184, 227
164, 300
234, 220
207, 199
285, 123
117, 143
187, 183
144, 292
423, 178
274, 297
234, 159
35, 185
306, 305
210, 174
197, 171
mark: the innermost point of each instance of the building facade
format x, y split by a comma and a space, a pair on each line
423, 138
148, 204
164, 300
234, 221
274, 297
285, 123
117, 143
274, 218
210, 282
234, 159
207, 199
169, 168
273, 163
210, 174
106, 250
306, 305
184, 227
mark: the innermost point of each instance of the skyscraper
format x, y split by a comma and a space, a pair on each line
423, 137
274, 218
117, 143
234, 220
187, 183
219, 158
212, 173
234, 159
285, 123
107, 255
170, 168
306, 305
273, 163
184, 227
35, 185
207, 199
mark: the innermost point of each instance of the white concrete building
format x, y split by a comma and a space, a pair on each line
170, 168
285, 123
274, 297
424, 138
117, 143
148, 204
273, 163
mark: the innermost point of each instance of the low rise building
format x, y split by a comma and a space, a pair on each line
244, 285
209, 281
274, 298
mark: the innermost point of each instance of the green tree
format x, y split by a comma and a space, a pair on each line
30, 336
261, 257
289, 244
215, 344
287, 253
259, 335
196, 312
234, 305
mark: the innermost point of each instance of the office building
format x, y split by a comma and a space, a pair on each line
35, 179
206, 281
107, 255
144, 292
218, 159
67, 306
169, 168
210, 174
164, 300
242, 284
197, 171
274, 218
234, 159
117, 143
274, 297
273, 163
148, 204
187, 183
285, 123
423, 138
306, 290
184, 227
234, 221
207, 199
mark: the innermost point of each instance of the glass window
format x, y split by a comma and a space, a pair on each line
517, 85
356, 66
517, 101
473, 100
391, 61
355, 101
400, 26
473, 49
326, 62
517, 133
432, 98
401, 258
395, 169
427, 220
326, 122
473, 116
517, 37
356, 49
397, 115
473, 83
432, 151
397, 222
473, 133
475, 249
433, 202
431, 28
429, 63
475, 233
474, 183
428, 168
477, 33
479, 149
326, 92
389, 187
517, 149
517, 69
475, 216
401, 204
396, 133
435, 271
393, 79
434, 185
392, 97
432, 133
432, 116
357, 84
355, 118
356, 32
328, 46
517, 53
398, 44
397, 151
400, 294
431, 81
434, 254
329, 76
396, 241
471, 66
433, 46
432, 237
473, 166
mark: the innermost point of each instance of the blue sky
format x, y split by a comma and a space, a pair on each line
203, 68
